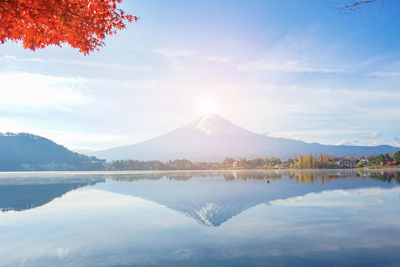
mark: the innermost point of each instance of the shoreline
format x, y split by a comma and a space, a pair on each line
197, 171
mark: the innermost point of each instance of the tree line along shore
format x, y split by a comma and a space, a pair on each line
309, 161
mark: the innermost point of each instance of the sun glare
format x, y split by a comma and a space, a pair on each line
206, 105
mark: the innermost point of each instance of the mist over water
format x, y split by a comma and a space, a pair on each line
214, 218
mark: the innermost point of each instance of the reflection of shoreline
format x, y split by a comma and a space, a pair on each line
52, 174
25, 194
300, 176
219, 201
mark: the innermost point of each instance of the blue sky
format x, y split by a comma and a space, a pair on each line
296, 69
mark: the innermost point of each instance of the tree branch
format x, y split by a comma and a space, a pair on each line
358, 4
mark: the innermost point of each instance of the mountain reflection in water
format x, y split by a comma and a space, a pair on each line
211, 198
212, 218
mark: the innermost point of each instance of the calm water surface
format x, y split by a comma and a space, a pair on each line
254, 218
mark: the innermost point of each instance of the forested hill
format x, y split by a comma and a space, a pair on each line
27, 152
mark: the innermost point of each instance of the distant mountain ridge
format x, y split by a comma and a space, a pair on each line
28, 152
212, 138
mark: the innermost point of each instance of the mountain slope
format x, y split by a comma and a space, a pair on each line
213, 138
27, 152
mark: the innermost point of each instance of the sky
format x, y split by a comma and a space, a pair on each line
296, 69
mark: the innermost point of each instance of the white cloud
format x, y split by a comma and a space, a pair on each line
93, 141
299, 53
385, 74
71, 139
358, 142
7, 125
286, 66
38, 90
397, 139
349, 142
82, 63
373, 136
174, 52
218, 59
314, 133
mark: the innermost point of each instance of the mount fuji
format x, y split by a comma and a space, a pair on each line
212, 138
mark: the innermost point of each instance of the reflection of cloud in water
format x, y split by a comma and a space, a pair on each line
114, 224
330, 199
297, 201
29, 193
376, 194
92, 199
62, 252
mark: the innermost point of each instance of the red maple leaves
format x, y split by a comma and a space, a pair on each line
83, 24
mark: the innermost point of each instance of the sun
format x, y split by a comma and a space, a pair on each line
206, 105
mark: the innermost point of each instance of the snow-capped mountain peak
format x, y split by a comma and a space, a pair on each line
213, 124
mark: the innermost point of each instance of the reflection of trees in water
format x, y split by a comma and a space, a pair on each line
320, 177
386, 176
300, 176
310, 177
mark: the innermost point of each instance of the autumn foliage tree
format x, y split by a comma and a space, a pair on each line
83, 24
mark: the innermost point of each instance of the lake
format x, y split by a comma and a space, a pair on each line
202, 218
